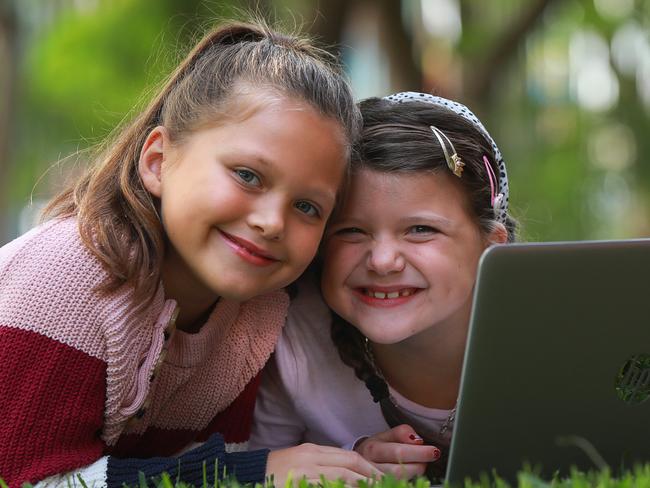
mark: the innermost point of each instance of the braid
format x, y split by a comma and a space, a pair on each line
350, 344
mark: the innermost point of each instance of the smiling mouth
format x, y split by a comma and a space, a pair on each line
248, 251
388, 295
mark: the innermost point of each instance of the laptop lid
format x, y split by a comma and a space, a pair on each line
557, 363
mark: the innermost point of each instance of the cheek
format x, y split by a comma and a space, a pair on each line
331, 289
339, 261
329, 279
336, 250
204, 198
219, 189
467, 261
461, 275
304, 243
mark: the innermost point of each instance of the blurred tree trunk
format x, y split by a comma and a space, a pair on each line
329, 23
483, 69
406, 73
8, 60
394, 40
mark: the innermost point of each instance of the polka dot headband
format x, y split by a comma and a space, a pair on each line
500, 197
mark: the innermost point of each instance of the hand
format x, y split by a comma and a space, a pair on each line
398, 451
312, 461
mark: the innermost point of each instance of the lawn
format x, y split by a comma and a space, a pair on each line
636, 478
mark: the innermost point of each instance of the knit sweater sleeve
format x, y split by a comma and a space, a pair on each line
66, 371
209, 459
53, 391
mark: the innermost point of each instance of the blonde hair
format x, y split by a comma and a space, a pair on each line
117, 217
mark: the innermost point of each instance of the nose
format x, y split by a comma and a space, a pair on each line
385, 258
268, 220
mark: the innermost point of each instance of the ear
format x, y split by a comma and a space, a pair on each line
151, 160
498, 235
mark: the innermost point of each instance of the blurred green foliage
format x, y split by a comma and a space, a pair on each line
87, 70
84, 69
553, 145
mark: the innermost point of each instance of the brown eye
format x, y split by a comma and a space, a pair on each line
349, 230
422, 230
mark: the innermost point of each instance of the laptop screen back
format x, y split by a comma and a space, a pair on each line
557, 365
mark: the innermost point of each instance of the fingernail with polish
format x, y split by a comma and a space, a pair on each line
416, 438
436, 453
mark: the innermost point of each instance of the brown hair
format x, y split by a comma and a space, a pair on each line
397, 138
116, 215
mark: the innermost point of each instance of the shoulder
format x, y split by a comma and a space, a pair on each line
324, 393
48, 285
266, 311
308, 312
305, 346
50, 254
308, 320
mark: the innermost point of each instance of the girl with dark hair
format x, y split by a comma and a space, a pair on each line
134, 323
379, 370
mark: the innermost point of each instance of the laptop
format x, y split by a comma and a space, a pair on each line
557, 366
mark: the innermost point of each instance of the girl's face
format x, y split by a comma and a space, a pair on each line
401, 255
244, 203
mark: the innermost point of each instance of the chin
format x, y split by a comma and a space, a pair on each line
243, 294
232, 291
385, 338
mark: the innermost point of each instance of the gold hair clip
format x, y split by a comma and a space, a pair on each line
454, 162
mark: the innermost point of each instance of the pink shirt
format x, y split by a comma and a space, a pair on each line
309, 395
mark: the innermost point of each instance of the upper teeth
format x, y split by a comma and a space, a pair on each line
393, 294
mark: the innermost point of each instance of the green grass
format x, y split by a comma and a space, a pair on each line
636, 478
639, 477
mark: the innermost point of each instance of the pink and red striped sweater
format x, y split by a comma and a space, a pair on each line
91, 384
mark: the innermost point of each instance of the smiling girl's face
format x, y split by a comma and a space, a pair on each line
244, 203
401, 255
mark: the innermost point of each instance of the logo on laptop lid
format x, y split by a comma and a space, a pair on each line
633, 379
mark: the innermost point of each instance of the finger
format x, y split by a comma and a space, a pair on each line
396, 453
406, 434
358, 464
350, 460
402, 433
313, 475
329, 457
403, 471
349, 476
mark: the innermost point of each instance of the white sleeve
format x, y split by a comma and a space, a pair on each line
276, 423
93, 476
351, 446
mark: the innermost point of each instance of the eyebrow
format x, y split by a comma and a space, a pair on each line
259, 159
435, 219
411, 220
326, 195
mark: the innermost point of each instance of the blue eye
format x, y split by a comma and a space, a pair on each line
307, 208
248, 177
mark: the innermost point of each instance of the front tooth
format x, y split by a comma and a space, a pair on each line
393, 294
379, 294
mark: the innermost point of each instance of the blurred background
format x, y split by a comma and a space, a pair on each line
562, 85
